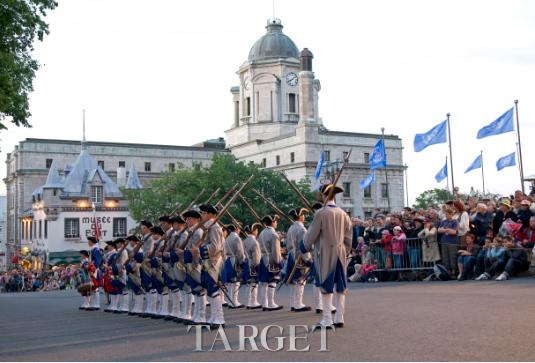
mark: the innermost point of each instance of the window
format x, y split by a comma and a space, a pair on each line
46, 229
384, 190
31, 230
122, 164
34, 230
347, 190
291, 103
171, 167
278, 160
263, 164
147, 166
368, 192
101, 164
96, 194
327, 155
119, 227
366, 158
292, 157
248, 106
368, 214
40, 229
48, 163
72, 228
344, 155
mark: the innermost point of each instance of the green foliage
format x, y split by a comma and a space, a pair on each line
432, 198
21, 21
182, 186
435, 197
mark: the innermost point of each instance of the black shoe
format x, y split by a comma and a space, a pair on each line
304, 308
169, 317
292, 309
319, 311
82, 308
333, 311
132, 314
144, 315
217, 326
235, 307
157, 317
117, 312
274, 309
254, 307
319, 327
93, 309
108, 311
338, 325
191, 322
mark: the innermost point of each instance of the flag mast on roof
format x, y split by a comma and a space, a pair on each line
83, 131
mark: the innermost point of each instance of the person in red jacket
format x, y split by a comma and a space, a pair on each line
527, 235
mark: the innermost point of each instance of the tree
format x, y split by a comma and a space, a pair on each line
432, 198
182, 186
435, 197
21, 21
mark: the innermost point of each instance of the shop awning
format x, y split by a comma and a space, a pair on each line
64, 258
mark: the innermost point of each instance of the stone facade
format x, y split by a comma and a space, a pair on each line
29, 164
277, 124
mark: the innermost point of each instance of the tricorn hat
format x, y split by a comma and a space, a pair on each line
92, 239
177, 219
208, 208
294, 213
268, 220
192, 213
164, 219
317, 206
132, 238
119, 240
325, 189
85, 253
146, 224
251, 227
157, 230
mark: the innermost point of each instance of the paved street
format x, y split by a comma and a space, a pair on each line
436, 321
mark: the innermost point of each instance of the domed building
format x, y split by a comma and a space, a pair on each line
277, 125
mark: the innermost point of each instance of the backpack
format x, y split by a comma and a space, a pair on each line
441, 273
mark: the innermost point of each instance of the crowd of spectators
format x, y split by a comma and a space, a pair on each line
53, 278
477, 239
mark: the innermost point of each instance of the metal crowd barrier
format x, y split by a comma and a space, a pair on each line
409, 258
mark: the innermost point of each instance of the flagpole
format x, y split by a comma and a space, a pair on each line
386, 172
406, 184
519, 148
447, 177
482, 173
451, 156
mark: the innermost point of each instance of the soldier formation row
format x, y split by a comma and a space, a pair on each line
173, 271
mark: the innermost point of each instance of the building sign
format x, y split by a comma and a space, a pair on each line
88, 225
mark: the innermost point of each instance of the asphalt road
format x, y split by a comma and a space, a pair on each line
415, 321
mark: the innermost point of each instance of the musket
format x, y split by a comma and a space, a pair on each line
298, 192
223, 211
212, 196
329, 197
134, 252
194, 201
200, 224
219, 215
273, 206
253, 212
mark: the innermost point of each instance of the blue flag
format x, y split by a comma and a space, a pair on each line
436, 135
315, 186
442, 174
378, 156
476, 164
503, 124
364, 183
505, 161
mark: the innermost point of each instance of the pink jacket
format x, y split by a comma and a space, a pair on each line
398, 244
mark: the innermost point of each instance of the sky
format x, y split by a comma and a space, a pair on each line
160, 72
